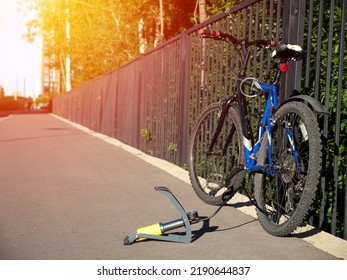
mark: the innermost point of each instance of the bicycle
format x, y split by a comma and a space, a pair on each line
285, 159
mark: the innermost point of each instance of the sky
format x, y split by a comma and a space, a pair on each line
20, 62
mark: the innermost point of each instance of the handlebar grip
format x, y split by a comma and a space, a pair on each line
217, 35
209, 33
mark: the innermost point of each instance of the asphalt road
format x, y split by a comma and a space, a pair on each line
67, 195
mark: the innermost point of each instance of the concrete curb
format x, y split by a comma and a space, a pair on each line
2, 118
319, 239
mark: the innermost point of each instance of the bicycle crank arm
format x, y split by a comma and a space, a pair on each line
235, 170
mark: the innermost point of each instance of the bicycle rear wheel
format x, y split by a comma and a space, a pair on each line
284, 197
209, 170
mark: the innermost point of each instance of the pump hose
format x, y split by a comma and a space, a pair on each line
227, 195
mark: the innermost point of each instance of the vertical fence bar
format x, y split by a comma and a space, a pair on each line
279, 26
293, 32
339, 102
308, 48
183, 98
327, 97
319, 46
326, 118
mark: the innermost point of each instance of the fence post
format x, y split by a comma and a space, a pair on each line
183, 100
293, 33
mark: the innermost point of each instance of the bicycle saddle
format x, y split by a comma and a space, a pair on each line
288, 52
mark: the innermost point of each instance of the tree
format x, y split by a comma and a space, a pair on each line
202, 11
95, 36
50, 23
163, 19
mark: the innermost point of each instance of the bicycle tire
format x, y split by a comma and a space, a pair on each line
284, 198
208, 172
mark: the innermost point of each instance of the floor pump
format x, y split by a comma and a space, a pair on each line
159, 231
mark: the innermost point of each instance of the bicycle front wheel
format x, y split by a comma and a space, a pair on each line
286, 192
208, 166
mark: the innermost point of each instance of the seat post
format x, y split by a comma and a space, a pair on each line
279, 72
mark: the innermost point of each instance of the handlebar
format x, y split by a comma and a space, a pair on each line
218, 35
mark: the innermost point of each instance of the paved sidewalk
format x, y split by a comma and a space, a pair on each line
70, 193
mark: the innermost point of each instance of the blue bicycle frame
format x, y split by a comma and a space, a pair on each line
266, 121
250, 152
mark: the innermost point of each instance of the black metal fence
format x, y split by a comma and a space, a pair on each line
152, 102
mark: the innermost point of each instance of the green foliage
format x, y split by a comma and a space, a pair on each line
144, 132
215, 7
327, 57
147, 136
42, 100
172, 147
